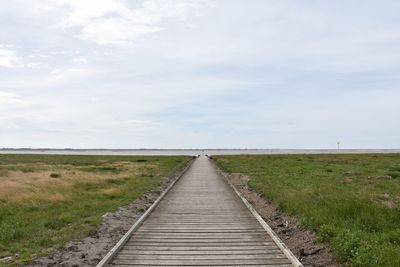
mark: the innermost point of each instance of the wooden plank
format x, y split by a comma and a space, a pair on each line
202, 262
202, 244
243, 227
156, 248
202, 237
225, 265
198, 242
200, 229
196, 225
198, 235
201, 222
190, 257
200, 252
108, 257
158, 223
193, 264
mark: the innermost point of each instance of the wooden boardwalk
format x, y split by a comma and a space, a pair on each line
201, 222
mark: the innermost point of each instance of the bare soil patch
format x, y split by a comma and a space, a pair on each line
303, 243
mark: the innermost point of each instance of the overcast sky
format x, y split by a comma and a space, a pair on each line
199, 74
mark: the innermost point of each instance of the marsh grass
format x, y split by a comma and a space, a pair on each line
46, 200
394, 172
351, 201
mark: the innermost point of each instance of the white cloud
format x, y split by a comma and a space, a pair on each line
8, 57
9, 98
54, 72
32, 65
11, 104
136, 122
62, 75
159, 73
80, 60
114, 31
114, 22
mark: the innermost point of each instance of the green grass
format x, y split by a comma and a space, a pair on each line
351, 201
47, 200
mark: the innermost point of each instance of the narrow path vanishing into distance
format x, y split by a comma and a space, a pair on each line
201, 222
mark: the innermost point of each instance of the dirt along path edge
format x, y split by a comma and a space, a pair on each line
302, 242
89, 250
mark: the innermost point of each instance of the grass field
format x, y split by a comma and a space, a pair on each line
46, 200
352, 201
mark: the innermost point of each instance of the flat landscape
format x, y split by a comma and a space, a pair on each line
47, 200
107, 107
190, 152
351, 201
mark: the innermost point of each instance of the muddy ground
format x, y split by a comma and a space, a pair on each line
303, 243
91, 249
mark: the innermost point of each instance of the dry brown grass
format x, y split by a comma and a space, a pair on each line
22, 186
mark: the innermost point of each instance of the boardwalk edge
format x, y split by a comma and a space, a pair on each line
110, 255
282, 246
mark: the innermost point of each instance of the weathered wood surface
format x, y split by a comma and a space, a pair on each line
201, 222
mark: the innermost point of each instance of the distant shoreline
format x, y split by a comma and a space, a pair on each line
68, 151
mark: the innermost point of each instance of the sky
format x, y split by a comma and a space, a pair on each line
199, 74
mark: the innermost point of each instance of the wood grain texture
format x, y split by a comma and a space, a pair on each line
201, 222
